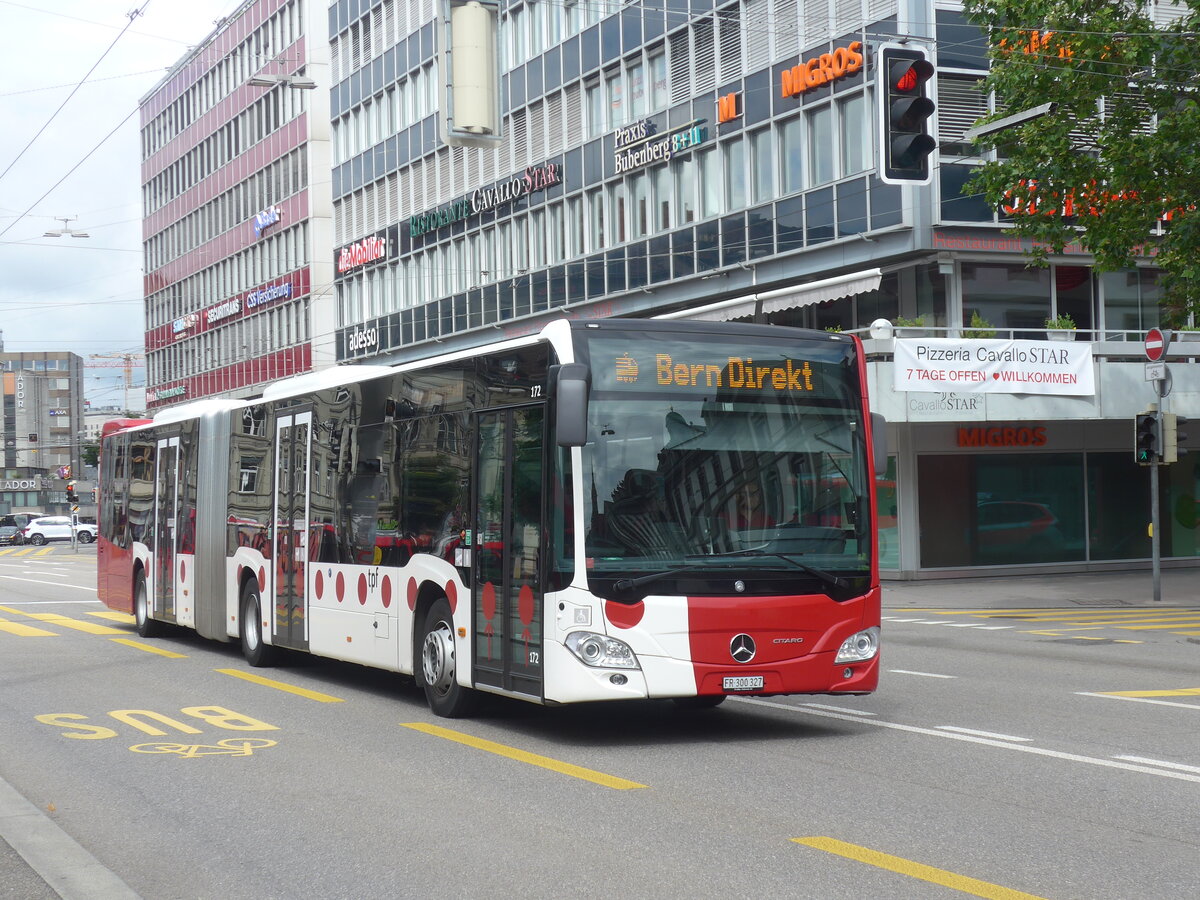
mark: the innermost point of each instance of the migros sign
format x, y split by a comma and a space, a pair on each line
823, 69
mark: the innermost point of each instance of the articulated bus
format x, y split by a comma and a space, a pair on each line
609, 509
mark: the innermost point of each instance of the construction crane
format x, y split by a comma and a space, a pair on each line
126, 361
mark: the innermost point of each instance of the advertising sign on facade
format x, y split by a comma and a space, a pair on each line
374, 248
994, 366
639, 144
265, 219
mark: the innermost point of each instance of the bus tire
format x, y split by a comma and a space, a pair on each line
438, 671
256, 652
703, 701
146, 626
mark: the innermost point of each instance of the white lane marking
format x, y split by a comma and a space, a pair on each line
995, 627
894, 619
48, 602
1159, 762
853, 712
53, 584
1140, 700
922, 674
986, 734
929, 622
971, 739
965, 625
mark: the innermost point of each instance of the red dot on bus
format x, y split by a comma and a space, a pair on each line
489, 601
452, 595
340, 587
624, 615
412, 593
362, 589
319, 584
262, 578
525, 604
183, 570
385, 591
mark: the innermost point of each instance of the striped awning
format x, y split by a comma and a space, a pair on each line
783, 298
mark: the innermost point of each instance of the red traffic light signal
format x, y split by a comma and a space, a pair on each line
906, 138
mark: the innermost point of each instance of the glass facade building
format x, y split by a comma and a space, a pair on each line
236, 209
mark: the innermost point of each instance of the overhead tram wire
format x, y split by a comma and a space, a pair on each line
132, 16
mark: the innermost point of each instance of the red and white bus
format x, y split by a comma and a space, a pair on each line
605, 510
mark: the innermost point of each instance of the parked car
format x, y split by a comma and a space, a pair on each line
57, 528
10, 534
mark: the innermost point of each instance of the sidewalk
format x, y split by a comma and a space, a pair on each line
1180, 588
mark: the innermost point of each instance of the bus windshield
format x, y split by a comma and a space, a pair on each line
701, 456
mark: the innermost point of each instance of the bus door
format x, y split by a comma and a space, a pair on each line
166, 526
507, 602
289, 536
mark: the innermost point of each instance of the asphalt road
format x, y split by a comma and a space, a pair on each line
1046, 752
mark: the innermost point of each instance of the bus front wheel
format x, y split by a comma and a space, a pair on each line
257, 653
146, 626
438, 672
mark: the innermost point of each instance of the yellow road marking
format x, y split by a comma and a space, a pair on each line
67, 622
915, 869
281, 686
114, 616
524, 756
149, 648
25, 630
1180, 692
1153, 627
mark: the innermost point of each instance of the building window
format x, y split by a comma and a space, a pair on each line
710, 184
791, 156
735, 173
855, 133
820, 145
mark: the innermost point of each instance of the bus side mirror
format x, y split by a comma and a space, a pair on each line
879, 449
570, 404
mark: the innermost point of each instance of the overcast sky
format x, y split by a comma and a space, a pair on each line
81, 294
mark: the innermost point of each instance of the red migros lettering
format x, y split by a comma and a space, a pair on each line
1002, 436
823, 69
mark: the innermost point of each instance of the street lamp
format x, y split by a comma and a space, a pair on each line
66, 229
293, 81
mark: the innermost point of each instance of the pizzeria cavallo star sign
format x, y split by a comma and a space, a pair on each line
994, 366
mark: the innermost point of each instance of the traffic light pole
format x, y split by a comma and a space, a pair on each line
1155, 556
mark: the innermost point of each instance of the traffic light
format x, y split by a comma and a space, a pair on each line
72, 497
1172, 437
1147, 439
905, 130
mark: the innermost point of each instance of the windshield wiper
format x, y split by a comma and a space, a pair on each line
626, 584
820, 574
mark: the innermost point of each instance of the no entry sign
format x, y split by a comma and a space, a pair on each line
1156, 344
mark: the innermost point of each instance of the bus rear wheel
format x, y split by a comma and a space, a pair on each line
438, 672
146, 626
256, 652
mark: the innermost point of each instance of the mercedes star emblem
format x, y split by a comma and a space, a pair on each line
741, 648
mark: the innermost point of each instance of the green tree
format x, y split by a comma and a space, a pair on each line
1121, 150
90, 454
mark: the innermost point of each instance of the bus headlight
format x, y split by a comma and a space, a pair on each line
859, 647
601, 651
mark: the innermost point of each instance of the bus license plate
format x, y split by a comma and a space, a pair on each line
743, 683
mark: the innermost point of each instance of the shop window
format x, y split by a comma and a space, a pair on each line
888, 505
1001, 509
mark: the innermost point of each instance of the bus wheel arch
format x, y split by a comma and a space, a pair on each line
435, 665
256, 651
145, 625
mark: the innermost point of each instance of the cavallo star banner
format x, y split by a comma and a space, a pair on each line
994, 366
